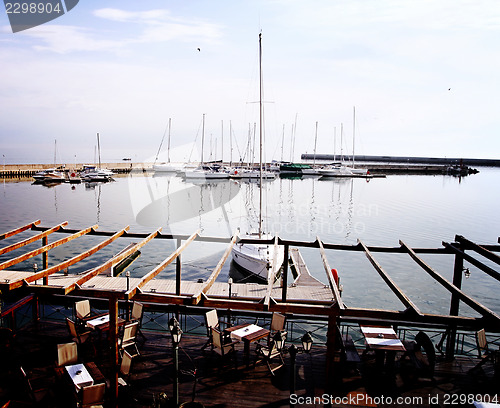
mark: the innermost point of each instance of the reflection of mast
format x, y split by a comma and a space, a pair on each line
260, 133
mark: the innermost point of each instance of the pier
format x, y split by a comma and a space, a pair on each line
306, 302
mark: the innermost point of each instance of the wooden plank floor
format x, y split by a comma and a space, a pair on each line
226, 385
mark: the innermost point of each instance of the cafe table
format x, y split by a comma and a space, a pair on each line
385, 342
248, 333
79, 375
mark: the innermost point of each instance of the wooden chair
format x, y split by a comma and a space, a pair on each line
277, 322
93, 396
423, 363
129, 338
36, 394
212, 321
483, 351
125, 367
136, 316
67, 353
269, 352
78, 337
223, 348
82, 310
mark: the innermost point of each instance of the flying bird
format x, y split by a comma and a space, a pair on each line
199, 49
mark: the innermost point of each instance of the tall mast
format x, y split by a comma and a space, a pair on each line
202, 138
168, 145
353, 132
99, 150
315, 141
260, 133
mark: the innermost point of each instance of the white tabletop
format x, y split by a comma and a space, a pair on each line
245, 331
375, 341
98, 321
79, 375
382, 330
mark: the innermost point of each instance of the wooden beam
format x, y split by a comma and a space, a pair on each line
213, 277
473, 261
34, 238
478, 307
478, 248
149, 276
388, 280
96, 271
45, 248
331, 281
20, 229
65, 264
271, 275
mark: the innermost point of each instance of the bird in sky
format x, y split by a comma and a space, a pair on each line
199, 49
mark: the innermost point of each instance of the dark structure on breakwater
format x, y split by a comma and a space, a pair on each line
412, 160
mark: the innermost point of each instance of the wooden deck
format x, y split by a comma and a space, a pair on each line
226, 386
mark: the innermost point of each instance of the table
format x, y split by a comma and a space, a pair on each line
79, 375
248, 333
383, 340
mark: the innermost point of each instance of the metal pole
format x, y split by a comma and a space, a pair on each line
293, 354
178, 270
176, 374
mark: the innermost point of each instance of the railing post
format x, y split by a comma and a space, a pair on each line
178, 270
454, 307
113, 339
45, 260
284, 280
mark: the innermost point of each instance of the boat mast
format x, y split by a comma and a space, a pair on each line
168, 144
99, 150
260, 133
202, 138
315, 141
353, 132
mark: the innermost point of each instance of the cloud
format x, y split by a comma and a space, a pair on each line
149, 17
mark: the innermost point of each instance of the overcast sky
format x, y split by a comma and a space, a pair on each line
423, 76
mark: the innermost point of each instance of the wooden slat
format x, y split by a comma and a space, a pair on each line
392, 285
67, 263
31, 239
478, 307
333, 285
479, 249
110, 262
20, 229
473, 261
146, 278
212, 278
271, 275
45, 248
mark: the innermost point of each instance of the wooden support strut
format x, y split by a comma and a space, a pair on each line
212, 278
20, 229
149, 276
333, 284
65, 264
478, 307
478, 248
34, 238
494, 274
109, 263
392, 285
45, 248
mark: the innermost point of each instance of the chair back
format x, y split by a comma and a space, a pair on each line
426, 343
137, 311
211, 320
67, 353
82, 309
93, 394
129, 332
482, 343
277, 322
126, 363
216, 338
72, 327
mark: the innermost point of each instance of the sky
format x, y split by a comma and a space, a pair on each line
423, 77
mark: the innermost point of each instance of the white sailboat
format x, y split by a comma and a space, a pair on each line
357, 171
313, 171
168, 166
94, 173
205, 171
52, 175
259, 260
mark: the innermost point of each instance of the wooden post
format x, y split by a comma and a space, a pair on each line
45, 260
332, 355
113, 340
454, 306
284, 280
178, 270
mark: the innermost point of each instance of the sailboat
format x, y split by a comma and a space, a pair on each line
166, 167
205, 171
52, 175
261, 261
94, 173
313, 171
357, 171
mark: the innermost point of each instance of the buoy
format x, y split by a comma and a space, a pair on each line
335, 276
73, 175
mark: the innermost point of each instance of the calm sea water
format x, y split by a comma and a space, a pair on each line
422, 211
